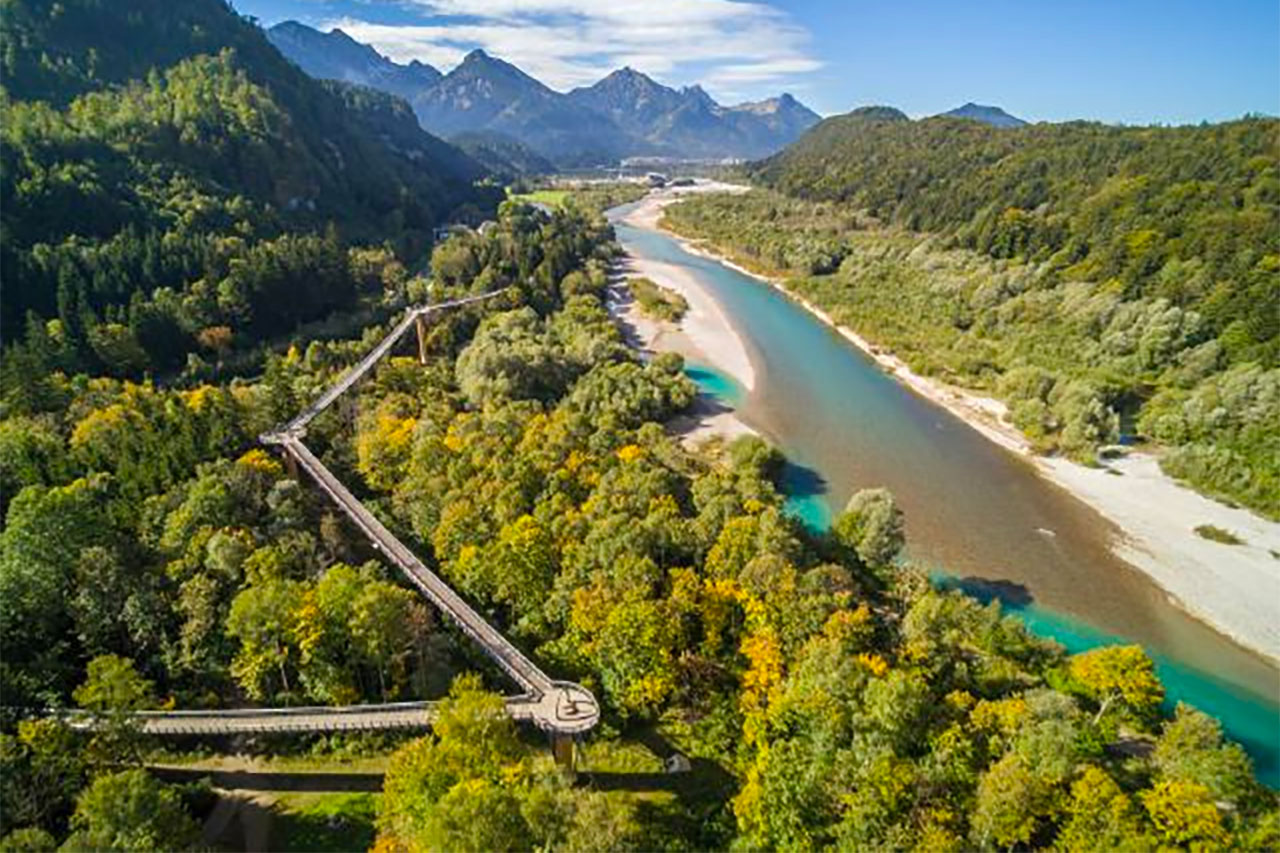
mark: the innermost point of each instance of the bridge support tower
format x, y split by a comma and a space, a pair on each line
565, 749
421, 324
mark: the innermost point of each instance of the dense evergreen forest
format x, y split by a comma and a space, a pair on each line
173, 187
1103, 281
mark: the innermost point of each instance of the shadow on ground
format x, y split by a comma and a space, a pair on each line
254, 780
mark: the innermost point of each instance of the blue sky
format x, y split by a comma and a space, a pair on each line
1130, 61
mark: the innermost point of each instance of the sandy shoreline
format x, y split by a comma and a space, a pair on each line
1234, 588
703, 336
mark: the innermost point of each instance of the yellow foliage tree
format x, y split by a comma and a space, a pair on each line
383, 445
761, 682
1183, 813
1123, 674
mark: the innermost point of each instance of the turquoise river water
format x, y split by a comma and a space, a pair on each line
978, 516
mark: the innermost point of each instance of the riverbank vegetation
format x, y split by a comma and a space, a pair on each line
1217, 534
597, 196
1080, 363
660, 303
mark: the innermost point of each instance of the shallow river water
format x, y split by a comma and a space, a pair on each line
978, 516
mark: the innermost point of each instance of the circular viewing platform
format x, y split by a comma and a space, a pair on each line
566, 709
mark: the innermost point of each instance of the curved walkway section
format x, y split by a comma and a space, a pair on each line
557, 706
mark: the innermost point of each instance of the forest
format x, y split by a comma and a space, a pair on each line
1185, 214
1085, 355
841, 697
198, 201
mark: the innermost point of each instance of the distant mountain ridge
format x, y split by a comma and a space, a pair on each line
690, 121
486, 94
502, 155
625, 114
337, 56
994, 116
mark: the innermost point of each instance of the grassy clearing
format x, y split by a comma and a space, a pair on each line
373, 763
676, 809
1217, 534
324, 822
613, 755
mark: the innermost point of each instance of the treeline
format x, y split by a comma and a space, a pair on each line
600, 196
1184, 214
1080, 363
188, 190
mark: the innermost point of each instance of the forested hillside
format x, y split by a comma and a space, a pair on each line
1187, 213
1102, 280
172, 185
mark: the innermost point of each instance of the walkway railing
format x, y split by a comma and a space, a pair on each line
371, 358
318, 718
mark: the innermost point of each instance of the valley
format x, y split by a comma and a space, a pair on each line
473, 426
1041, 552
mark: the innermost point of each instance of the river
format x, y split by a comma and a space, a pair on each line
979, 517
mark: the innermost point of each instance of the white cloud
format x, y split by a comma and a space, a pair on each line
737, 49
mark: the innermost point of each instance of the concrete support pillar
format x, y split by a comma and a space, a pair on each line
421, 324
291, 465
564, 749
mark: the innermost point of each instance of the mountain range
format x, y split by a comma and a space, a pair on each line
625, 114
690, 122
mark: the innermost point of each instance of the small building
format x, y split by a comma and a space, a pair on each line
443, 232
656, 179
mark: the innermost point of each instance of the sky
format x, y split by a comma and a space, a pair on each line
1117, 61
